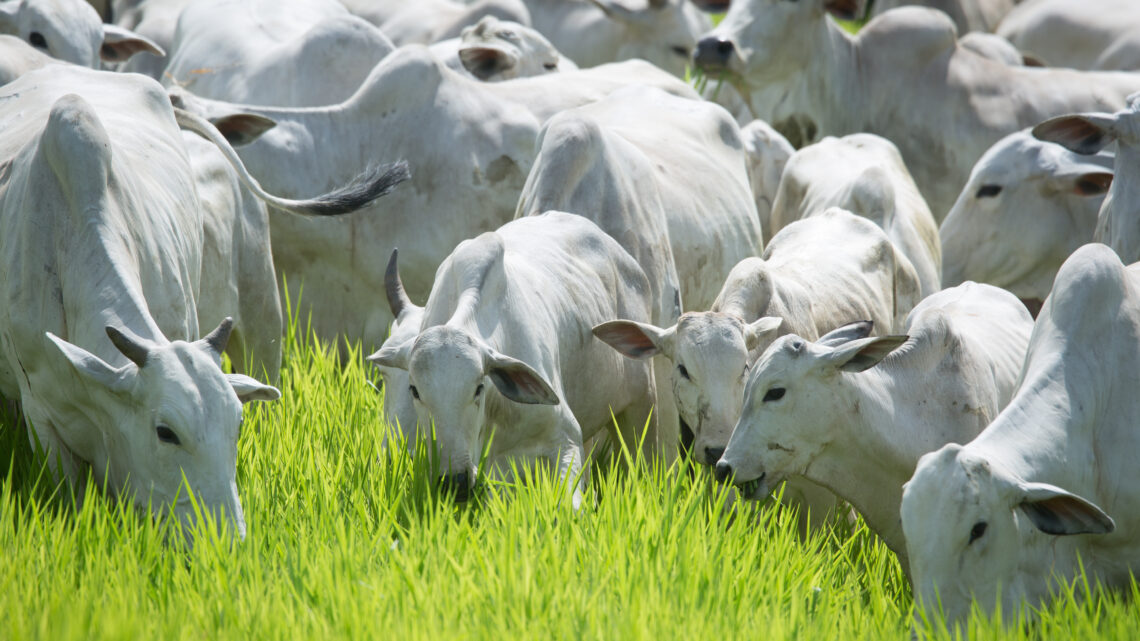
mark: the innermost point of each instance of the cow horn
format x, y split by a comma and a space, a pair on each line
130, 345
398, 299
220, 337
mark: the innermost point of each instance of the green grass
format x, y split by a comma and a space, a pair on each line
347, 542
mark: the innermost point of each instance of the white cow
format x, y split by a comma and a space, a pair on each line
1027, 206
627, 163
864, 174
297, 53
1049, 490
18, 57
817, 274
1118, 223
902, 77
429, 21
1092, 34
968, 15
505, 347
768, 154
494, 50
477, 138
593, 32
834, 412
71, 30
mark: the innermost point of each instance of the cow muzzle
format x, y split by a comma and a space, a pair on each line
713, 53
459, 485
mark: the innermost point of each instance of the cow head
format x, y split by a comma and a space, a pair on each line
664, 32
499, 50
795, 403
764, 40
399, 410
167, 415
1027, 206
710, 355
975, 531
71, 30
450, 375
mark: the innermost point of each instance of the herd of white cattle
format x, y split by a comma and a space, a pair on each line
824, 272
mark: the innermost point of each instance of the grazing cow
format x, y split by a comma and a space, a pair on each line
478, 139
768, 154
1092, 34
1027, 206
865, 175
104, 245
625, 163
1118, 224
430, 21
505, 346
817, 274
593, 32
902, 77
837, 414
494, 50
968, 15
1049, 491
71, 30
298, 53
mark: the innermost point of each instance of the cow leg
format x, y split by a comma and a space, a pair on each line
570, 456
666, 435
262, 322
640, 419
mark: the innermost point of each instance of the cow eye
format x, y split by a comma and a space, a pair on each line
977, 531
774, 394
550, 66
415, 392
680, 51
683, 372
478, 390
988, 191
37, 39
167, 435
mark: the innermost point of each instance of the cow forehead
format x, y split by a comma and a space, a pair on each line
444, 351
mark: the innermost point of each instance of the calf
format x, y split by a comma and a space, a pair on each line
836, 413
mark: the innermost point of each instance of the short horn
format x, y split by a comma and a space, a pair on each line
130, 345
398, 299
220, 337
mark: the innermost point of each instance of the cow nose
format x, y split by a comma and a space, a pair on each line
713, 454
723, 471
458, 485
713, 53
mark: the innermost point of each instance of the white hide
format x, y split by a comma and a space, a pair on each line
430, 21
1118, 223
836, 413
593, 32
103, 246
1028, 205
154, 20
70, 30
817, 274
1091, 34
505, 346
297, 53
1053, 477
864, 174
18, 57
902, 77
470, 145
768, 154
968, 15
494, 50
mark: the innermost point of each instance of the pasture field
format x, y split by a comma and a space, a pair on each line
347, 542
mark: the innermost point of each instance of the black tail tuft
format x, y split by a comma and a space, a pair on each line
374, 182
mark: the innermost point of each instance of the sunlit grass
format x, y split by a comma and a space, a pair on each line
347, 541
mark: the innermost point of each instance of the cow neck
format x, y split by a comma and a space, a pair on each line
1117, 227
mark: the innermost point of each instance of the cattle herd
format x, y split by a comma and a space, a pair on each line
889, 269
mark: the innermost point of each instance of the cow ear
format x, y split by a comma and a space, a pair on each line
760, 329
242, 128
485, 61
1055, 511
845, 9
249, 389
90, 366
518, 381
395, 355
847, 333
1084, 134
119, 44
1094, 183
863, 354
637, 340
